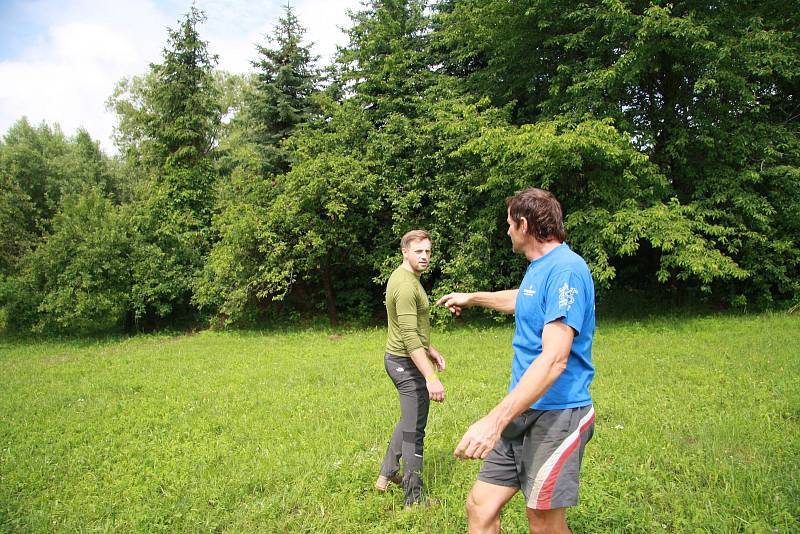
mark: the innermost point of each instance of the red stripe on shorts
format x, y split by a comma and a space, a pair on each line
546, 493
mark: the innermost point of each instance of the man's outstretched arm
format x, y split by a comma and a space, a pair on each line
502, 301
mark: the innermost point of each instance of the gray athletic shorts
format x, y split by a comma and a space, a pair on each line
540, 452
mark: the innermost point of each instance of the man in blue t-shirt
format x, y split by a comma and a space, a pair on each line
533, 440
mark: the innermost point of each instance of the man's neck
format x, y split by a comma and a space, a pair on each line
537, 248
405, 265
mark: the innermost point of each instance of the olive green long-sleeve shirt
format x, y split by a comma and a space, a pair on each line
408, 313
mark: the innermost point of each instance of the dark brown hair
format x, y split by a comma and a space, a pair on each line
542, 211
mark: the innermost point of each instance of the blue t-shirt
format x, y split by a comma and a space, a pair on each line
556, 286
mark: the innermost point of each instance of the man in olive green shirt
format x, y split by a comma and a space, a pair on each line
411, 362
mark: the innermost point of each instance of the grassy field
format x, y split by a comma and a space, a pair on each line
698, 430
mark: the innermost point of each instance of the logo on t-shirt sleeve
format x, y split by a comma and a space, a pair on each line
566, 296
529, 291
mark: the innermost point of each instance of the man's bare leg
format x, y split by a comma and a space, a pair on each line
484, 503
548, 521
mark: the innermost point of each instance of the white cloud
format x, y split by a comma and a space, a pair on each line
324, 21
72, 69
66, 75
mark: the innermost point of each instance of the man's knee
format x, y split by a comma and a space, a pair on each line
548, 521
481, 511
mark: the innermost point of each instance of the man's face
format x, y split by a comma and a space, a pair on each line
516, 233
418, 254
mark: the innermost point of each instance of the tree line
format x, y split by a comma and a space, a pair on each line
669, 132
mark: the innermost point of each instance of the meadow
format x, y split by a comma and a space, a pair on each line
698, 430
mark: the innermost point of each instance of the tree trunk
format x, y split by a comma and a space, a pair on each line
327, 283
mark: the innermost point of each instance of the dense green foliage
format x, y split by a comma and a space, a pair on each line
669, 131
284, 432
177, 122
248, 266
39, 167
707, 91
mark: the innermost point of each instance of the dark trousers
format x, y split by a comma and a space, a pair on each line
409, 434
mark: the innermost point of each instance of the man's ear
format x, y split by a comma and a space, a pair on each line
523, 225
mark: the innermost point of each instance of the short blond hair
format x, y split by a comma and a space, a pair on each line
414, 235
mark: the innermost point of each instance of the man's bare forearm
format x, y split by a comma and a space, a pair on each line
502, 301
482, 436
421, 360
543, 372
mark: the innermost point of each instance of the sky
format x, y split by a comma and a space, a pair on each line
60, 59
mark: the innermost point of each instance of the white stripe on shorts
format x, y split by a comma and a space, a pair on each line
547, 467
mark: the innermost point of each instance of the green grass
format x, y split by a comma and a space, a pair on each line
697, 431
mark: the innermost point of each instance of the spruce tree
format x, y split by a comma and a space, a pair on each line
386, 65
280, 98
169, 123
185, 116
